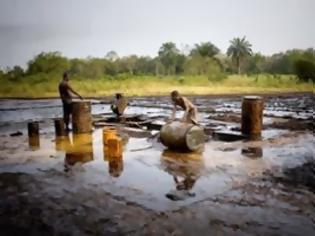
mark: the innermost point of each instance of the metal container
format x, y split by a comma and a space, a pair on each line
81, 117
60, 129
252, 116
182, 136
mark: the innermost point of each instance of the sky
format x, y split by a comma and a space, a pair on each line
82, 28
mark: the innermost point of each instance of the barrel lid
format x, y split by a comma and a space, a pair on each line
195, 138
252, 97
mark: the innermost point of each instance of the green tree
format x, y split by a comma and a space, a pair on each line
207, 49
16, 73
168, 55
305, 70
239, 49
47, 63
112, 56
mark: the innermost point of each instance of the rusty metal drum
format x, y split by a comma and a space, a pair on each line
81, 117
252, 116
182, 136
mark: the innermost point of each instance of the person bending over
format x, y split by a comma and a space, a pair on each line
190, 115
119, 105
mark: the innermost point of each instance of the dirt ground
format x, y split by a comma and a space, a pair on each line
240, 187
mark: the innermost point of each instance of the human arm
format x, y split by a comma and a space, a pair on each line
74, 92
188, 106
173, 112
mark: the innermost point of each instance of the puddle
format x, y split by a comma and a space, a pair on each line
226, 180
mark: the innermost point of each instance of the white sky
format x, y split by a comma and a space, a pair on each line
81, 28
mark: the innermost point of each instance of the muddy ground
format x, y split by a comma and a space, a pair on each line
235, 187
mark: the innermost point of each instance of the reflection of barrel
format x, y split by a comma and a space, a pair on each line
34, 142
109, 133
81, 117
62, 143
60, 128
81, 150
182, 136
252, 115
182, 164
115, 166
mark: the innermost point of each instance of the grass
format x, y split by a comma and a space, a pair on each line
33, 87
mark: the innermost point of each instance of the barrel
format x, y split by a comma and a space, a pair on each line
33, 129
81, 117
33, 135
182, 136
60, 129
252, 116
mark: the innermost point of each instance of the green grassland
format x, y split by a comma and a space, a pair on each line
44, 85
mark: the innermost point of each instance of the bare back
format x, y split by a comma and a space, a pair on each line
64, 92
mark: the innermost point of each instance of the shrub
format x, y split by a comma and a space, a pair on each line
305, 70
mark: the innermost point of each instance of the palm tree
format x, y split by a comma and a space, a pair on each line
239, 49
207, 49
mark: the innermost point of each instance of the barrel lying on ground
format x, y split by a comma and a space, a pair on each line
182, 136
81, 117
252, 116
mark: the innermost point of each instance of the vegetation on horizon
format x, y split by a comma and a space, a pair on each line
200, 70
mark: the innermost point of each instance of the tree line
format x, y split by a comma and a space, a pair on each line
201, 59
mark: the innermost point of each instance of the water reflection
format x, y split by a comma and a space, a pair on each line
115, 163
62, 143
34, 142
186, 168
81, 150
252, 152
115, 166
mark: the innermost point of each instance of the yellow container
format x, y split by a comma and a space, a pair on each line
115, 148
109, 133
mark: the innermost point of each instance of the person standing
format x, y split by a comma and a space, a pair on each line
66, 91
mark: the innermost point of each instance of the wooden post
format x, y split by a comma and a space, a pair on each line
60, 129
252, 116
81, 117
33, 135
182, 136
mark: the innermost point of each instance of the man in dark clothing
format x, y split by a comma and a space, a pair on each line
65, 91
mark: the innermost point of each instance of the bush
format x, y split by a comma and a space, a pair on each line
305, 70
